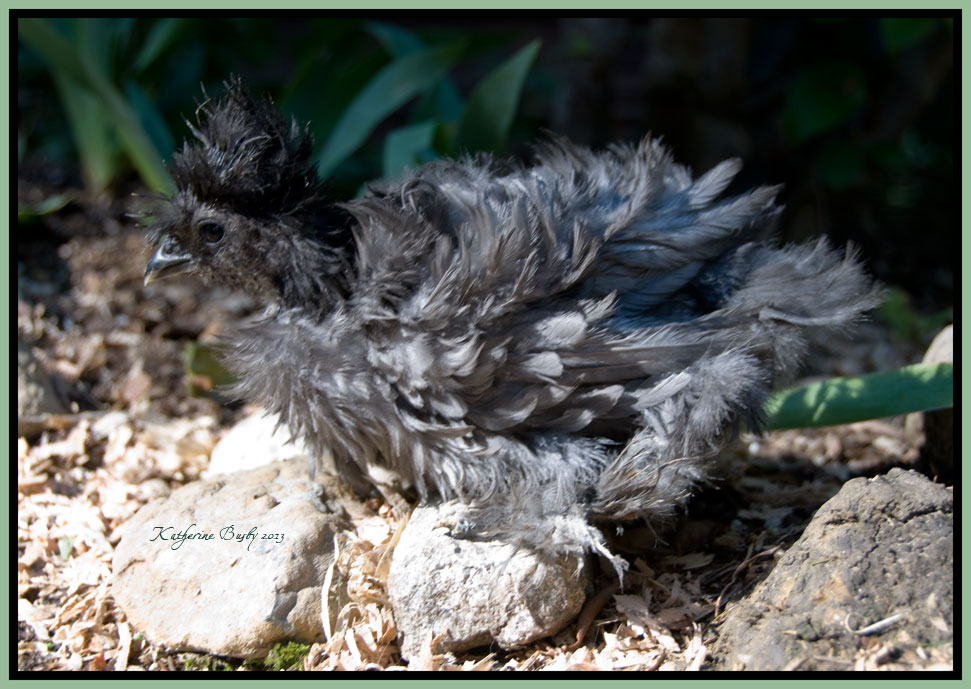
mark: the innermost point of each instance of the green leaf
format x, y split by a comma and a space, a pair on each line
396, 40
51, 204
392, 87
65, 546
921, 387
897, 310
64, 58
288, 656
821, 98
324, 103
162, 35
900, 34
205, 370
97, 148
96, 39
442, 103
150, 118
404, 147
491, 105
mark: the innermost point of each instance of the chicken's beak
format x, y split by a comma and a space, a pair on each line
168, 260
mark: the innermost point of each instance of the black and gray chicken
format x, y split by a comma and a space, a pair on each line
558, 345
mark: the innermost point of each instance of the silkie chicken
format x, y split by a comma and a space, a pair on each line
559, 345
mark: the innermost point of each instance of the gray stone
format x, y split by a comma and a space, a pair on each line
881, 550
933, 431
230, 594
476, 592
253, 442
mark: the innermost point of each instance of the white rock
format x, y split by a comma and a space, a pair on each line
476, 592
230, 594
255, 441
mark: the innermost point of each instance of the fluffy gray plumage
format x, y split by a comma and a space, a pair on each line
558, 345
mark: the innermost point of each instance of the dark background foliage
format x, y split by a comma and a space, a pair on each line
854, 115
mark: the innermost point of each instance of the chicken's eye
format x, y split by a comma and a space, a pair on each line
211, 232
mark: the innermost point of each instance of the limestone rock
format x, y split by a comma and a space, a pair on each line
881, 550
476, 592
249, 575
253, 442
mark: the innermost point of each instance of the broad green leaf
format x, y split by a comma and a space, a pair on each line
96, 39
403, 146
51, 204
443, 102
324, 101
392, 87
150, 118
162, 34
900, 34
920, 387
491, 105
396, 40
73, 64
97, 148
